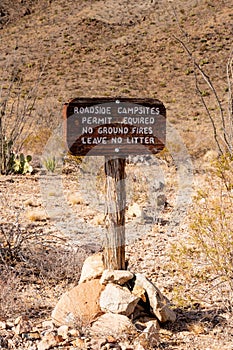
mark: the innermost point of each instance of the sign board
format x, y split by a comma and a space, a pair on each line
114, 126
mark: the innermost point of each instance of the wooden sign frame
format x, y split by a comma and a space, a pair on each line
114, 126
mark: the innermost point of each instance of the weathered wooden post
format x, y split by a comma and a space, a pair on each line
114, 248
115, 128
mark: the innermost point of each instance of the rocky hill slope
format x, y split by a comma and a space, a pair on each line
123, 48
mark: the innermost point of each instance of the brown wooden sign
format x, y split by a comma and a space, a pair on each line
115, 126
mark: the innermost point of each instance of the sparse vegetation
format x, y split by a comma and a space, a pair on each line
43, 266
20, 164
50, 164
205, 259
17, 117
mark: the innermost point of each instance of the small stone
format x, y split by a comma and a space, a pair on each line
75, 198
96, 343
74, 333
47, 324
2, 325
9, 324
112, 324
36, 215
93, 267
98, 220
22, 326
18, 320
111, 339
135, 210
118, 300
31, 335
152, 332
63, 331
79, 344
139, 347
30, 203
111, 346
49, 341
116, 276
140, 325
139, 292
125, 346
161, 200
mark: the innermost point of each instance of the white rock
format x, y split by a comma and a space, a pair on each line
152, 332
18, 320
74, 333
63, 331
22, 325
118, 300
116, 276
48, 342
93, 267
2, 325
112, 324
139, 347
47, 324
158, 302
135, 210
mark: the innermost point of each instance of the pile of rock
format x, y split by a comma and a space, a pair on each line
114, 304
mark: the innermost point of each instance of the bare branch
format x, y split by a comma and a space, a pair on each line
230, 97
227, 129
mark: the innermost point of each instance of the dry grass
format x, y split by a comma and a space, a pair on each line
75, 198
36, 215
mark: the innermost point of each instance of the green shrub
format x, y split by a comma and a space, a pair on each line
205, 259
50, 164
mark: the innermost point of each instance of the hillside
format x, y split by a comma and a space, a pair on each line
93, 48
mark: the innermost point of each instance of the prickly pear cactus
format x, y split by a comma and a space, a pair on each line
21, 164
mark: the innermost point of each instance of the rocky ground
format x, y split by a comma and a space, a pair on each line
39, 276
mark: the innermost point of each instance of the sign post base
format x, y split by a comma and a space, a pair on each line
114, 247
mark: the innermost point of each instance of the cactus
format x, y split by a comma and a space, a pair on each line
21, 164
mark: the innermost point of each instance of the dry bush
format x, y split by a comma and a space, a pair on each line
26, 119
205, 260
221, 116
20, 295
10, 287
57, 264
31, 263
